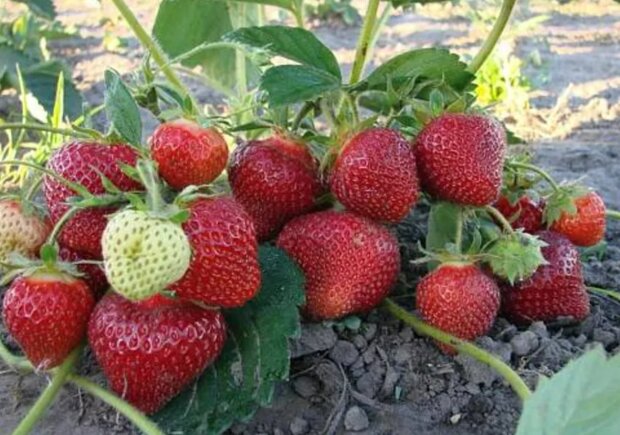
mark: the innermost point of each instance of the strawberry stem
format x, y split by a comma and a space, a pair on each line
458, 238
78, 188
613, 214
136, 417
500, 218
14, 362
46, 128
544, 174
515, 381
150, 180
51, 240
364, 41
151, 46
491, 41
49, 394
604, 292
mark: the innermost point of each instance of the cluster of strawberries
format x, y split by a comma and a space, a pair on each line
201, 248
351, 261
174, 255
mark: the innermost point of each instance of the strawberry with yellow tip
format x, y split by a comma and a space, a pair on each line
143, 254
20, 231
145, 250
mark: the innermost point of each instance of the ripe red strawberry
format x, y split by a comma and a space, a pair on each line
350, 262
375, 175
47, 314
151, 350
460, 299
224, 269
82, 163
275, 180
19, 231
556, 289
188, 153
525, 213
587, 226
92, 274
460, 158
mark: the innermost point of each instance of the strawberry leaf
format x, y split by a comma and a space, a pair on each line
122, 110
255, 357
296, 44
583, 398
290, 84
429, 63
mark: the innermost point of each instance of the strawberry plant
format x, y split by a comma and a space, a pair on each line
195, 322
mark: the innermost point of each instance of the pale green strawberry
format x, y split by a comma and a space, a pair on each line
143, 254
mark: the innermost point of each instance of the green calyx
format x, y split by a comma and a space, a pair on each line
515, 256
562, 201
17, 265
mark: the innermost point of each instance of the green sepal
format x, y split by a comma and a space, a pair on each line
562, 201
515, 257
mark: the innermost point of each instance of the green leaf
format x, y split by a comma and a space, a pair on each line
293, 43
284, 4
582, 399
121, 109
9, 57
289, 84
430, 63
182, 25
442, 225
42, 82
255, 357
43, 8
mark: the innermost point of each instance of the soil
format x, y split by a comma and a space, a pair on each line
382, 378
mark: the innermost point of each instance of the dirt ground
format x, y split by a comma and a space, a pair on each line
383, 378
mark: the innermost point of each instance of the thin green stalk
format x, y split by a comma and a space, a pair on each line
136, 417
387, 11
458, 238
491, 41
298, 13
49, 394
305, 109
13, 361
613, 214
41, 127
81, 190
204, 47
364, 41
604, 292
533, 168
240, 61
60, 224
462, 346
158, 55
500, 218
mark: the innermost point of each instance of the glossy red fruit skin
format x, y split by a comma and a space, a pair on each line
92, 274
151, 350
188, 154
526, 213
80, 162
350, 262
460, 158
48, 316
224, 270
556, 289
587, 226
275, 180
459, 299
375, 175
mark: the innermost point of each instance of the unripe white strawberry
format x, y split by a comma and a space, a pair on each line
143, 254
20, 232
